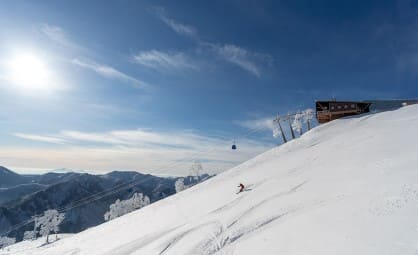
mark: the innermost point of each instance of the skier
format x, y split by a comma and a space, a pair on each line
241, 187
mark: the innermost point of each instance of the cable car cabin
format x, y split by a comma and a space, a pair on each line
331, 110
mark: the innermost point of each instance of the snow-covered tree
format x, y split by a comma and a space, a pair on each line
6, 241
49, 222
114, 211
138, 200
179, 185
29, 235
297, 123
120, 208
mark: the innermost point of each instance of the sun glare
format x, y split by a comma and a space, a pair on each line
29, 71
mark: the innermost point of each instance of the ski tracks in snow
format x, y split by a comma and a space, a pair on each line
214, 237
133, 246
195, 240
72, 252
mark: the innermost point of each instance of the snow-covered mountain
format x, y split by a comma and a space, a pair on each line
9, 178
14, 186
346, 187
60, 190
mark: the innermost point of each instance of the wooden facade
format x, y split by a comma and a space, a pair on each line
331, 110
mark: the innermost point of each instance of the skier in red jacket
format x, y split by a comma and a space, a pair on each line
241, 187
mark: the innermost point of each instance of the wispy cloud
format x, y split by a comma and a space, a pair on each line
138, 137
178, 27
109, 72
252, 62
156, 152
245, 59
58, 35
40, 138
164, 60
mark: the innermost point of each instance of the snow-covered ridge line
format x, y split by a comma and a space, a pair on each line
346, 187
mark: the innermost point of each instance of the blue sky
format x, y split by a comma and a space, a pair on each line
139, 85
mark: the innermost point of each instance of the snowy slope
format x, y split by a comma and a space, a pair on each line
346, 187
23, 247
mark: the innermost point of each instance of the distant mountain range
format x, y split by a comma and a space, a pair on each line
22, 196
9, 178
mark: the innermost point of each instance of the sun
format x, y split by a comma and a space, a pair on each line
29, 71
